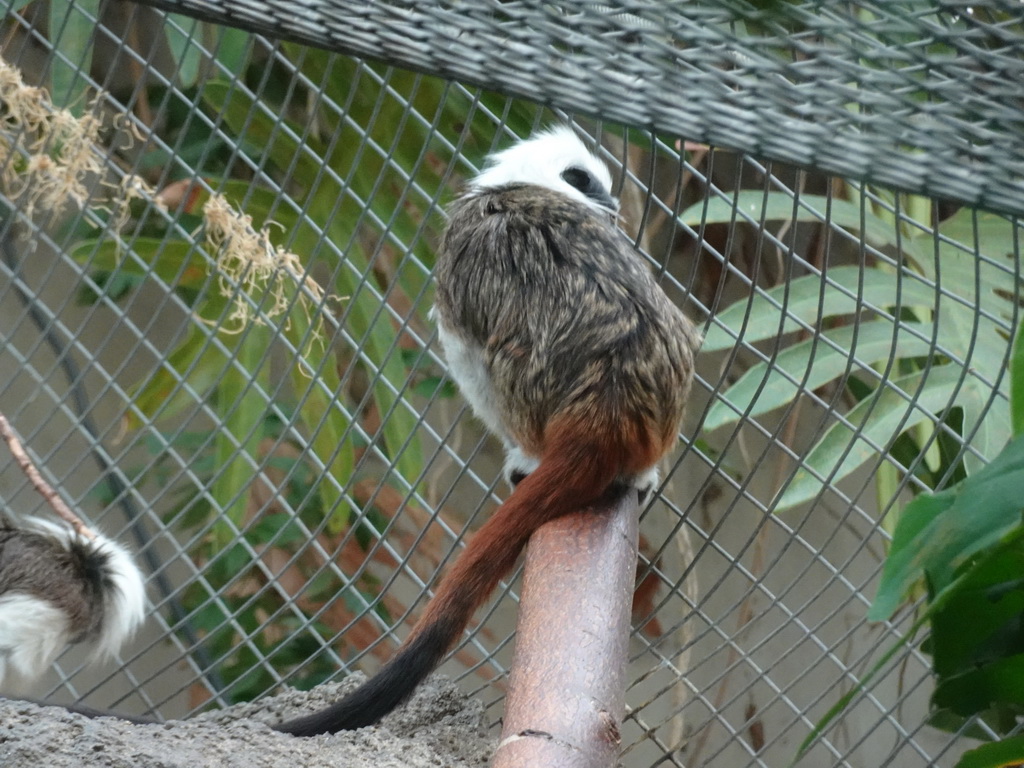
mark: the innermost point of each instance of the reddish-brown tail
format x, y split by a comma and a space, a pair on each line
576, 470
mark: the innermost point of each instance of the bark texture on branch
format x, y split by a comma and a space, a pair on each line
566, 694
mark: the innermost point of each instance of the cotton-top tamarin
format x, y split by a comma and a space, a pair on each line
566, 348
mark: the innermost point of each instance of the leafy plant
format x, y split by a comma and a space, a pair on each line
243, 606
934, 325
71, 25
361, 185
966, 544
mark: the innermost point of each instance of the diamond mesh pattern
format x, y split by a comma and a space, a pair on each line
293, 478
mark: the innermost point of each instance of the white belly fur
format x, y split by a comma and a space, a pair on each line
466, 365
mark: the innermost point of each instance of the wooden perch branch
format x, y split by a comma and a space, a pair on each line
567, 689
44, 488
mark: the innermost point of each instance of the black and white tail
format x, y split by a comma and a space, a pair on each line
59, 587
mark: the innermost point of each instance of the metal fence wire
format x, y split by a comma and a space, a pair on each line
214, 287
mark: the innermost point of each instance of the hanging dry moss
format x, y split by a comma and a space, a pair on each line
249, 264
49, 157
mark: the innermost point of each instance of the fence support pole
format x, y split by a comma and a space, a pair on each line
567, 688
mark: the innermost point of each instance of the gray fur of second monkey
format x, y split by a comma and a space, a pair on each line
551, 279
37, 565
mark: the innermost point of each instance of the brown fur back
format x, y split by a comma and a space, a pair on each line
569, 319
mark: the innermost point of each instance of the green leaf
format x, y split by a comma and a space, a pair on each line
1017, 384
938, 533
317, 385
999, 682
367, 319
276, 137
229, 562
755, 206
986, 416
233, 48
181, 32
876, 422
979, 620
210, 617
189, 374
814, 362
431, 385
963, 300
979, 286
277, 529
1007, 753
71, 32
993, 233
177, 263
940, 601
114, 287
804, 302
241, 406
903, 567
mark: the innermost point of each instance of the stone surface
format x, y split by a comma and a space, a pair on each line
438, 727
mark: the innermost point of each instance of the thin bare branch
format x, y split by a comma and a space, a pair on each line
44, 488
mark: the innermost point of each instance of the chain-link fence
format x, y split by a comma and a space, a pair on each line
214, 289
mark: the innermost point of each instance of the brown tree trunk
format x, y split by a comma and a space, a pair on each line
567, 688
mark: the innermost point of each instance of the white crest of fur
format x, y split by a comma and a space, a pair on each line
541, 160
33, 631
